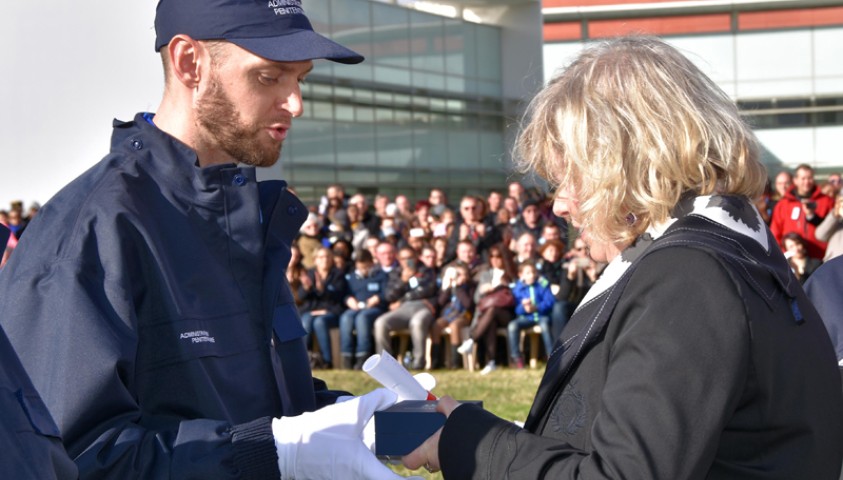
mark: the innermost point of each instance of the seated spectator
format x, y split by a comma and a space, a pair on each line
322, 291
471, 226
456, 304
366, 301
440, 246
309, 240
525, 248
466, 257
494, 203
411, 292
438, 201
551, 231
552, 270
580, 274
531, 220
295, 272
427, 256
342, 250
797, 256
422, 218
533, 304
493, 308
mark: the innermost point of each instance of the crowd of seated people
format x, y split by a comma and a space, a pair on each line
447, 279
470, 276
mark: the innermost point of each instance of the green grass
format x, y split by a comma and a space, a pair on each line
505, 392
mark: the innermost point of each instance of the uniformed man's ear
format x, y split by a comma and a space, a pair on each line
185, 60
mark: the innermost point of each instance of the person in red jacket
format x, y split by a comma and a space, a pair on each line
801, 209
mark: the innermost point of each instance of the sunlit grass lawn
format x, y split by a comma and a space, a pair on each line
507, 393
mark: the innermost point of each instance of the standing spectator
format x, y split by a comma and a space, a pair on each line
498, 273
835, 181
794, 251
411, 293
366, 301
16, 223
783, 184
148, 301
322, 292
801, 209
830, 230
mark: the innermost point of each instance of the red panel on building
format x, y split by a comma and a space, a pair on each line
558, 32
808, 17
661, 25
591, 3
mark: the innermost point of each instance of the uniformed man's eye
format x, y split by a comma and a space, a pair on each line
268, 79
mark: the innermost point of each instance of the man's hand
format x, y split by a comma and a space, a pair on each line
327, 443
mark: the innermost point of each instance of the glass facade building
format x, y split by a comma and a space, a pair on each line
781, 61
425, 109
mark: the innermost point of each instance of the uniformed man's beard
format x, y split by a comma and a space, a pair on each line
217, 115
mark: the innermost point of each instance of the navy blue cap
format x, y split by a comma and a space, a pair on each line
273, 29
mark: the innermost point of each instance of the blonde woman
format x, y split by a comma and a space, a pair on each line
696, 355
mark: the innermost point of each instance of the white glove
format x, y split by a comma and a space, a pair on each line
327, 443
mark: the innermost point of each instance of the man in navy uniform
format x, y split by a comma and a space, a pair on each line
148, 301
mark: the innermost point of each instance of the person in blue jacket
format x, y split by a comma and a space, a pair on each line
366, 301
29, 439
533, 304
148, 300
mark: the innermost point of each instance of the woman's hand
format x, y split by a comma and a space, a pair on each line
427, 455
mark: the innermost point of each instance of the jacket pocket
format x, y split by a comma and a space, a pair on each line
192, 338
27, 413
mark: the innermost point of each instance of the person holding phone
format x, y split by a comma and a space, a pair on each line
801, 210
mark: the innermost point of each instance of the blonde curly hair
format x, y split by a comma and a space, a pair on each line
631, 126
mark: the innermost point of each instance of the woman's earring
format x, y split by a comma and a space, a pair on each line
631, 219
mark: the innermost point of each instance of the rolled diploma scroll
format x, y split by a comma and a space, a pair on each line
392, 375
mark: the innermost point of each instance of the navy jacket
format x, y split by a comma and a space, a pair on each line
363, 288
696, 357
29, 439
149, 304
